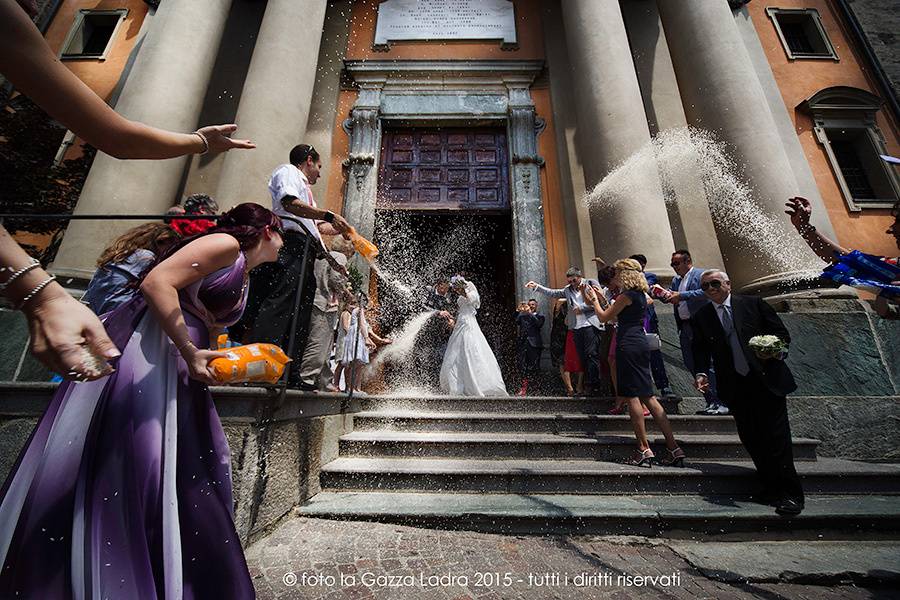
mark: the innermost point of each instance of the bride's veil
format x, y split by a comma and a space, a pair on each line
472, 295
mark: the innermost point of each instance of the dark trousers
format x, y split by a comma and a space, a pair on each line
528, 357
275, 289
762, 423
685, 339
657, 366
588, 346
658, 369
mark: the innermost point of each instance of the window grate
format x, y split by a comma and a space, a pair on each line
852, 169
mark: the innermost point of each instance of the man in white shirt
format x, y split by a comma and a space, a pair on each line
581, 319
276, 286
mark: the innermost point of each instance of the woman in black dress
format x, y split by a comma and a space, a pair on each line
635, 383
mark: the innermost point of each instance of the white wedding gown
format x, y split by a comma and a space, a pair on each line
470, 367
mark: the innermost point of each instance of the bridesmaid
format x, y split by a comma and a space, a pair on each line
634, 382
124, 488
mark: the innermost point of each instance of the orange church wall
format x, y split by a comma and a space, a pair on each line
554, 220
528, 33
102, 76
531, 47
800, 79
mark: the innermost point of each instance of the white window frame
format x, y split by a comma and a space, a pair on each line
817, 21
78, 24
851, 109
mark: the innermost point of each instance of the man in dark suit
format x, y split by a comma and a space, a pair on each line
529, 344
432, 339
755, 386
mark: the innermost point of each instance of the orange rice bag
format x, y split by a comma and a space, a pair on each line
259, 363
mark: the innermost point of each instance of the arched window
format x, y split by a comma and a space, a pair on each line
845, 125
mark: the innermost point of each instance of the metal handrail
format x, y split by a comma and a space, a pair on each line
281, 386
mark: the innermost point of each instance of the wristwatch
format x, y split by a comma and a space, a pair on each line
329, 217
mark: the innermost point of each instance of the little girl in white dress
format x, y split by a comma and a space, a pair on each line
358, 341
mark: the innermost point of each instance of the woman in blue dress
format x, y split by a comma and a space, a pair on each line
634, 383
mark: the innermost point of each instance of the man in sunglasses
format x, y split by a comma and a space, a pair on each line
688, 298
756, 384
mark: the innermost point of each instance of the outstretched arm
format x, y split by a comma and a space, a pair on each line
188, 265
552, 293
612, 310
28, 63
800, 210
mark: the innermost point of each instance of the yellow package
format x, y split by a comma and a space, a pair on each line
258, 363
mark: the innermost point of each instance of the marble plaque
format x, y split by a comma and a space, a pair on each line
400, 20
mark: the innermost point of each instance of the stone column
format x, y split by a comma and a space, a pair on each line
689, 215
721, 93
364, 128
612, 126
274, 106
529, 237
165, 89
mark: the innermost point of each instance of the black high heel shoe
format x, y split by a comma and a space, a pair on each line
643, 459
676, 458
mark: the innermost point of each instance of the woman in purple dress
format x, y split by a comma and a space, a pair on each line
124, 488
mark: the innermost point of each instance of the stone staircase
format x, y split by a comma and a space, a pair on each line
545, 464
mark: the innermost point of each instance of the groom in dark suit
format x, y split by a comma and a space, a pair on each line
754, 386
432, 340
529, 344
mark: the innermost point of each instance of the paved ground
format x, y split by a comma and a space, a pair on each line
315, 558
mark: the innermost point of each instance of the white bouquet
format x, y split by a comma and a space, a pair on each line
768, 346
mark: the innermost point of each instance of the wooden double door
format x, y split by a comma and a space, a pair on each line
444, 169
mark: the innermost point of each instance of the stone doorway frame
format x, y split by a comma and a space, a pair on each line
462, 94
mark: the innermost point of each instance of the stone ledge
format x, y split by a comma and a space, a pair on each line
277, 446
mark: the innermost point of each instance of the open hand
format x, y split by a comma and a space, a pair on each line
800, 210
217, 136
701, 383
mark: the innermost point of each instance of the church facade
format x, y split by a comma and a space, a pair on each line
511, 109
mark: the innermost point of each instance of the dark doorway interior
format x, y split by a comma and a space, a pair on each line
419, 246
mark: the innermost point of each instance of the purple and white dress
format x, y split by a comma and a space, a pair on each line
124, 488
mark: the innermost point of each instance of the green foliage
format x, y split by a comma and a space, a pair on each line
29, 182
356, 279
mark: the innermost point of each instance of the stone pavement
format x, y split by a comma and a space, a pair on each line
315, 558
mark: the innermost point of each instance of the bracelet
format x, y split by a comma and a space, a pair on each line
184, 345
204, 140
34, 292
31, 265
329, 217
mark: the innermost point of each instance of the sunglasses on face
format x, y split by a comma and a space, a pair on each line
714, 284
277, 229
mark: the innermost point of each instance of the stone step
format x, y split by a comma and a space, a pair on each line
488, 422
824, 476
496, 405
536, 446
658, 515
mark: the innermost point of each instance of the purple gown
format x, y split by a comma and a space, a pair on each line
124, 488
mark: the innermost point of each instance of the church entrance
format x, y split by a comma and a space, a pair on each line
443, 209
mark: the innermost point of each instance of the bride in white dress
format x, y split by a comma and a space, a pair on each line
470, 367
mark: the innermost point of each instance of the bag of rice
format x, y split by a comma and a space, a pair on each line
258, 363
